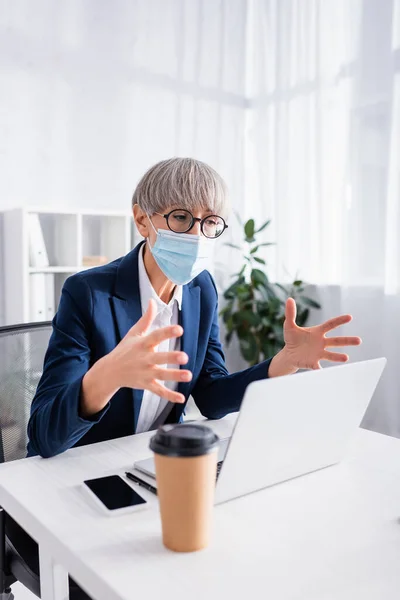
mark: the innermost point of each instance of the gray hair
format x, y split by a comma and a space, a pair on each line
182, 183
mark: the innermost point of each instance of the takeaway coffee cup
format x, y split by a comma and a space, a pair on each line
186, 463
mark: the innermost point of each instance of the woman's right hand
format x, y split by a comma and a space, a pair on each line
135, 363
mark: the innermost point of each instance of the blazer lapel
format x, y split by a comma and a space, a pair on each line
189, 318
126, 313
190, 321
127, 308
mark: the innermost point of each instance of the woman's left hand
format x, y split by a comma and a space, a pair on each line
306, 346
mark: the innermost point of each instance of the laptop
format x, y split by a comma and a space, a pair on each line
289, 426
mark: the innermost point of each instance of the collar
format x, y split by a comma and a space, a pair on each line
147, 291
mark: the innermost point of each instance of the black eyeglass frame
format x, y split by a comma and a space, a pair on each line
194, 220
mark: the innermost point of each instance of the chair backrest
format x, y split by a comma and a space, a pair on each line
22, 351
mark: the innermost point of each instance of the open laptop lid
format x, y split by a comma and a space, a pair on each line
288, 426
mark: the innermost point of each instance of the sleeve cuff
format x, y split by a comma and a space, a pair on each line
96, 417
93, 418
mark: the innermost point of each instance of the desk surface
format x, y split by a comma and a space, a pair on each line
334, 534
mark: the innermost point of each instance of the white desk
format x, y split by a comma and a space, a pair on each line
334, 534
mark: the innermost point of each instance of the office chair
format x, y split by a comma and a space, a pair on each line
22, 350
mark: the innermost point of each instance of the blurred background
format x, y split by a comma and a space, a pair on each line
295, 102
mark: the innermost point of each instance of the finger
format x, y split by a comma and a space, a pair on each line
172, 374
316, 366
335, 357
164, 333
290, 311
342, 341
144, 323
335, 322
170, 358
163, 392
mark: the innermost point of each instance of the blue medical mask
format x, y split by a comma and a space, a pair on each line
180, 256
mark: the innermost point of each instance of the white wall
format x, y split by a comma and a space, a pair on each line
94, 92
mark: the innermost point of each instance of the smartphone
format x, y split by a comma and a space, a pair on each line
114, 494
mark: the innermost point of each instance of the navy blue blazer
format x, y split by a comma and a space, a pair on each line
96, 310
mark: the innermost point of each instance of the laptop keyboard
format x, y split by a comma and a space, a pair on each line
219, 467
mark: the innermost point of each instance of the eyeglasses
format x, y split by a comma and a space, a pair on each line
182, 221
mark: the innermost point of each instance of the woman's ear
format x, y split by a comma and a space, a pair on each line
141, 221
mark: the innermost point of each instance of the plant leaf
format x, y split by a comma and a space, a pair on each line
258, 278
263, 226
230, 292
277, 329
297, 283
249, 348
251, 318
249, 229
259, 260
233, 246
283, 288
268, 291
309, 302
240, 274
262, 307
228, 337
226, 317
245, 319
254, 250
275, 305
243, 292
269, 346
302, 317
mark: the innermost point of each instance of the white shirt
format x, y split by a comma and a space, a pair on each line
167, 314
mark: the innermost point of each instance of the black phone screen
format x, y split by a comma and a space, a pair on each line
114, 493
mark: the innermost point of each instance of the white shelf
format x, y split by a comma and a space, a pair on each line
67, 211
67, 237
55, 269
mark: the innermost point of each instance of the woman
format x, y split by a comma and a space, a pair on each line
132, 340
123, 328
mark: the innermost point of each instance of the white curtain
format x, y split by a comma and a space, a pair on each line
94, 92
295, 102
324, 156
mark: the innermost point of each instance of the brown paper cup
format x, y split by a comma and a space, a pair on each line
185, 487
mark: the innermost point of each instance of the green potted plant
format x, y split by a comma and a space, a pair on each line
255, 307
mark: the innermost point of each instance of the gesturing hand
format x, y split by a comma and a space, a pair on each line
137, 364
306, 346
